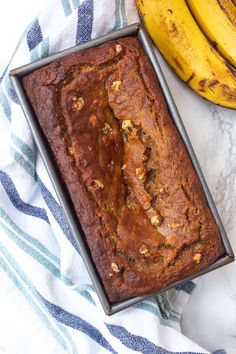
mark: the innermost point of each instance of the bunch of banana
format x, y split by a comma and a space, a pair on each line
195, 37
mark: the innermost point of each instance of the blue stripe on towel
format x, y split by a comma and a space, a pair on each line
117, 14
21, 161
84, 290
152, 309
34, 54
39, 257
11, 90
51, 202
45, 48
38, 252
5, 104
25, 148
78, 323
166, 309
84, 22
19, 286
138, 343
18, 203
32, 240
123, 14
76, 3
87, 296
57, 212
188, 287
34, 35
24, 285
66, 7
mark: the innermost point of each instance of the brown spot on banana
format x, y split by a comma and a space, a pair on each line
214, 45
231, 96
230, 68
190, 78
202, 84
170, 11
174, 28
138, 2
230, 16
213, 83
178, 64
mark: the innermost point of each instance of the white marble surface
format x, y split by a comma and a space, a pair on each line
210, 316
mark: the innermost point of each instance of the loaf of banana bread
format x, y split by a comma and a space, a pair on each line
126, 169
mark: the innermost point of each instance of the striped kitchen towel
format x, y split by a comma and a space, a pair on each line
47, 301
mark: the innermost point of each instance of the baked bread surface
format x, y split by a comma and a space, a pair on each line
134, 189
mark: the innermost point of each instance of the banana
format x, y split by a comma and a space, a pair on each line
181, 42
217, 20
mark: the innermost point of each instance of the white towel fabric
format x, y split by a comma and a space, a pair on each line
47, 301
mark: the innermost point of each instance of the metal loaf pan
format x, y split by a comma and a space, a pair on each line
64, 199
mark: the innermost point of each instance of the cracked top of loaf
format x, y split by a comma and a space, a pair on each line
137, 196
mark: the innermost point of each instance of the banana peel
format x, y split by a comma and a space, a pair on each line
174, 31
217, 20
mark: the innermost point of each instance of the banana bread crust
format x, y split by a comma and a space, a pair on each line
134, 189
